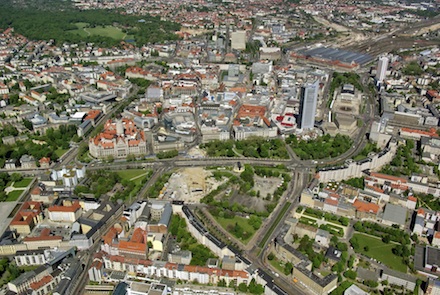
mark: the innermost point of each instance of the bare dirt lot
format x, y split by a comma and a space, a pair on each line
267, 185
190, 185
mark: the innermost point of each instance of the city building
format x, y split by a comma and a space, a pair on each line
354, 290
238, 40
394, 215
433, 287
66, 212
119, 139
381, 70
29, 216
68, 176
308, 102
398, 278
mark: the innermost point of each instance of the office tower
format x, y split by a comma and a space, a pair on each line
308, 101
382, 67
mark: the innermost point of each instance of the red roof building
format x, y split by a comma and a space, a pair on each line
27, 218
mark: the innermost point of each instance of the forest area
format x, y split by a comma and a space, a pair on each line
58, 20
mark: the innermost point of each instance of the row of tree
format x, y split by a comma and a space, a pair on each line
256, 147
320, 148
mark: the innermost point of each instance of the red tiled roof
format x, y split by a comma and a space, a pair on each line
412, 199
110, 235
331, 201
251, 111
96, 264
92, 114
44, 160
44, 281
366, 207
27, 212
266, 121
132, 247
139, 236
137, 243
56, 208
388, 177
431, 133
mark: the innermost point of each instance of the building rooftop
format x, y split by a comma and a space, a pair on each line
362, 206
432, 255
355, 290
395, 214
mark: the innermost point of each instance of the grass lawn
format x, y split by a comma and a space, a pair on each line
308, 221
81, 25
13, 195
364, 264
107, 31
80, 32
60, 152
243, 222
129, 37
334, 230
359, 157
380, 251
129, 174
277, 265
311, 214
23, 183
325, 273
274, 224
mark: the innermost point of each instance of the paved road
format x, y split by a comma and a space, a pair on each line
258, 255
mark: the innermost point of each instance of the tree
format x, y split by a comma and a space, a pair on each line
242, 287
28, 124
338, 267
354, 243
415, 238
288, 268
221, 283
15, 177
255, 222
370, 283
350, 274
255, 288
350, 261
412, 68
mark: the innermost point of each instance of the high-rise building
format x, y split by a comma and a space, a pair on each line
308, 101
381, 70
